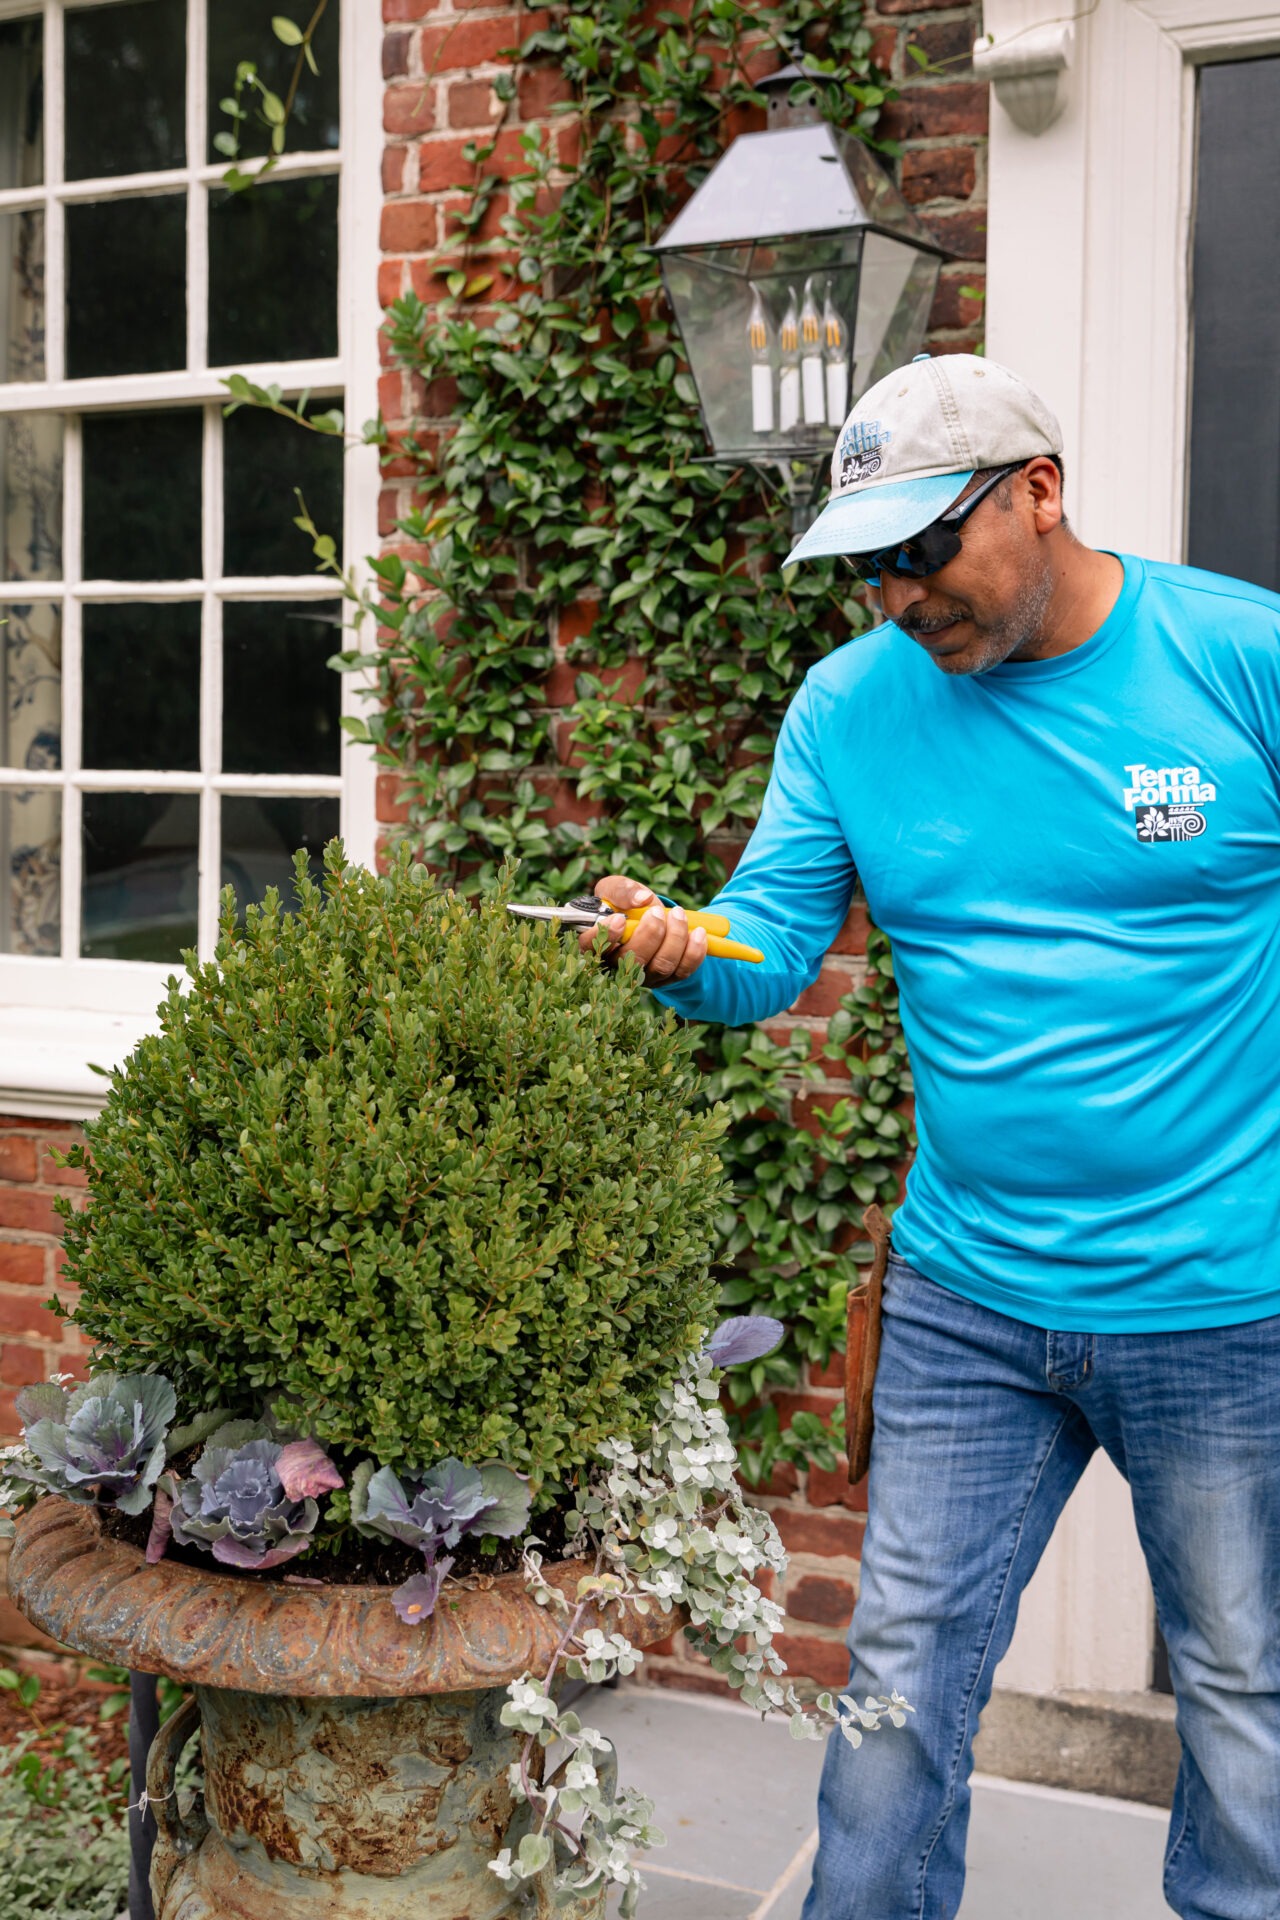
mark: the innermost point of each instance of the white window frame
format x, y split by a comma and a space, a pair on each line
1088, 296
59, 1014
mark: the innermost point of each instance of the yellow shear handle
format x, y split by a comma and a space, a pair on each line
714, 925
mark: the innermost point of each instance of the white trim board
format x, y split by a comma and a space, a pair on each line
1089, 233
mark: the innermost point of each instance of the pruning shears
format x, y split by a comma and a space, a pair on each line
586, 911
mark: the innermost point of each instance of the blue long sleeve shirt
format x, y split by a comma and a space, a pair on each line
1078, 863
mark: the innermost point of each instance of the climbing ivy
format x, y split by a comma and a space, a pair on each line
574, 472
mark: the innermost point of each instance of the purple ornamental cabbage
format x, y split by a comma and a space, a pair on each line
435, 1510
747, 1336
103, 1442
240, 1503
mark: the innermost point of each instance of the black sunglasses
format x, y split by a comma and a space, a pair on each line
930, 549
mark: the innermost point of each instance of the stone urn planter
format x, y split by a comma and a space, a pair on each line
354, 1767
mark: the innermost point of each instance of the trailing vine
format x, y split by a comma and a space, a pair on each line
574, 474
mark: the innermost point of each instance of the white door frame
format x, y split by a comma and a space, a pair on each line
1088, 297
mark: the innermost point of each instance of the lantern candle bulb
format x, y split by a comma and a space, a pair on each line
789, 380
811, 371
835, 346
761, 367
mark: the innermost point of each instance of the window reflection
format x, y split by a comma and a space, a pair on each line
31, 496
241, 30
141, 863
126, 88
22, 102
261, 836
142, 495
30, 871
127, 285
142, 686
273, 272
31, 686
281, 701
22, 308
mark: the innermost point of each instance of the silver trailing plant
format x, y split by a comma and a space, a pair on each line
665, 1527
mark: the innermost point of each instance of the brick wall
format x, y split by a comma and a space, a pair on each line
440, 60
34, 1343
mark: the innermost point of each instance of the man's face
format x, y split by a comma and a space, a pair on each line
989, 603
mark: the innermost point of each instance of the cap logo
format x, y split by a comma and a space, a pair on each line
861, 450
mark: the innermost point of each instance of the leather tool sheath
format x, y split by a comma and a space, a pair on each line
862, 1347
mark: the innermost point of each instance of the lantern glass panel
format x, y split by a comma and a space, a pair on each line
896, 294
762, 400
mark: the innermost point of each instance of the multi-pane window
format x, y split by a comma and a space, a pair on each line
169, 723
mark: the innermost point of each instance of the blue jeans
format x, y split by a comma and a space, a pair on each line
983, 1425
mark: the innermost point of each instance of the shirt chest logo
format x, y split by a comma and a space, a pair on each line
1167, 802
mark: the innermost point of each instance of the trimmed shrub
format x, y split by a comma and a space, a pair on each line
426, 1177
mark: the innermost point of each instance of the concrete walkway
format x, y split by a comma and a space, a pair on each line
736, 1800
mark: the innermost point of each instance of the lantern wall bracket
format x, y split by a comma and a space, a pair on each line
1028, 72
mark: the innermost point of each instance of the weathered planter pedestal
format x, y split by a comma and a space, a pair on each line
355, 1768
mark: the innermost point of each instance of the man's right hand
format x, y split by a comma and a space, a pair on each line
662, 943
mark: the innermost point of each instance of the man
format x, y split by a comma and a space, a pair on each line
1055, 773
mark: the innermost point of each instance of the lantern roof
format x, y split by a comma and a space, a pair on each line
790, 181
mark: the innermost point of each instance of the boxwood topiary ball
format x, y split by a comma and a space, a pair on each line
427, 1176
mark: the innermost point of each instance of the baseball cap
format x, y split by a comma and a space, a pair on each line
915, 440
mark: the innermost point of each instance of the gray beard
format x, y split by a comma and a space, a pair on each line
1020, 628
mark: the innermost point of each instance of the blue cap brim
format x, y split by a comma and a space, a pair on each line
878, 516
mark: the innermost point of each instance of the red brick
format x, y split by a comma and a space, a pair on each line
28, 1212
9, 1423
789, 1404
825, 1488
539, 89
392, 809
393, 163
21, 1314
567, 804
390, 281
852, 937
472, 103
826, 1661
575, 622
407, 9
395, 54
928, 111
826, 993
409, 109
949, 40
938, 173
884, 45
783, 1481
956, 343
964, 235
566, 751
22, 1265
55, 1176
22, 1366
473, 42
816, 1596
833, 1536
441, 164
407, 227
952, 305
832, 1375
17, 1157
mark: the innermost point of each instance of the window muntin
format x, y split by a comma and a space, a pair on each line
162, 657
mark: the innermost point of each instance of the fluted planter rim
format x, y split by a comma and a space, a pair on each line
98, 1596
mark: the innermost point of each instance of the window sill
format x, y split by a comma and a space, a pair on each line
45, 1054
